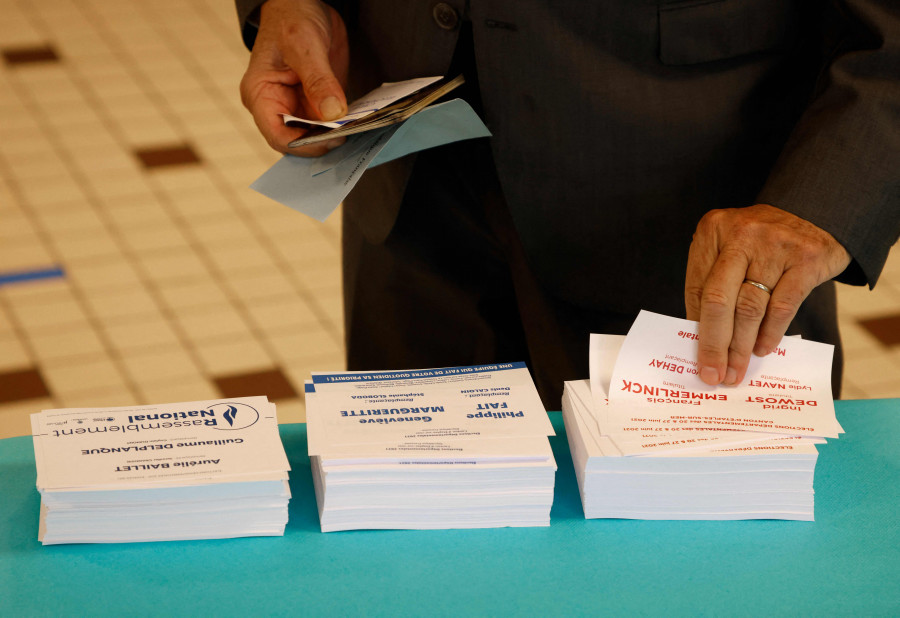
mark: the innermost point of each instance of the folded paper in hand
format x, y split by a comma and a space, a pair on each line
316, 186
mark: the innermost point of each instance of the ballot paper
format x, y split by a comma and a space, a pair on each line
315, 186
651, 441
768, 480
191, 470
648, 436
453, 447
366, 106
655, 383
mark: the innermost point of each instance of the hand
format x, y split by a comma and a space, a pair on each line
298, 64
789, 255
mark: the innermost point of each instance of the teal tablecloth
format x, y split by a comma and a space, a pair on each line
845, 563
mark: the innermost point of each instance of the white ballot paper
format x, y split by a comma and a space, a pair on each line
655, 385
316, 186
768, 480
370, 103
468, 403
452, 447
143, 446
649, 440
653, 438
191, 470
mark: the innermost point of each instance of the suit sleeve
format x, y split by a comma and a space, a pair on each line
840, 168
247, 11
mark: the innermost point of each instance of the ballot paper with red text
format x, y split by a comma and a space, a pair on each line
655, 385
764, 480
654, 438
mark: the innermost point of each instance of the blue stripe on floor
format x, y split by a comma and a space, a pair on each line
22, 276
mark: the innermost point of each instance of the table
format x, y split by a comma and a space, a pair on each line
845, 563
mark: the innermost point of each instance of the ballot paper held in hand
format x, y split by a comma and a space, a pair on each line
316, 186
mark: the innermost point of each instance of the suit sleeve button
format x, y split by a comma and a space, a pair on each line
445, 16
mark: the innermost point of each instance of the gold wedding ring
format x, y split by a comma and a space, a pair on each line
759, 285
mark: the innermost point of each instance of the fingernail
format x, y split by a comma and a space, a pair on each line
710, 375
760, 350
730, 377
330, 108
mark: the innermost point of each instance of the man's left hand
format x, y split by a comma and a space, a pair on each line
763, 244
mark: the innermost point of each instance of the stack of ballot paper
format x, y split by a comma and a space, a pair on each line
650, 440
457, 447
194, 470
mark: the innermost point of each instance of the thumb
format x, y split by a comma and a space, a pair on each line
305, 50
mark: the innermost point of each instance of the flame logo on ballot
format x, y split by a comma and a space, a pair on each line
237, 415
229, 415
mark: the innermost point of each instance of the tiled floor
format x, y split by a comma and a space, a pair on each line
135, 264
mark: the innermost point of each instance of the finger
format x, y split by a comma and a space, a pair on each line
317, 149
792, 289
717, 304
749, 311
702, 256
305, 50
269, 94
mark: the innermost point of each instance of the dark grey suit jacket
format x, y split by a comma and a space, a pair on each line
617, 124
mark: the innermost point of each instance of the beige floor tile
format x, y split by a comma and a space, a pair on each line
37, 165
174, 265
6, 324
236, 355
104, 275
133, 305
63, 190
876, 369
149, 240
232, 259
883, 390
168, 365
44, 291
864, 303
87, 247
15, 417
856, 339
301, 345
215, 324
186, 296
280, 314
67, 344
149, 130
221, 230
249, 287
112, 185
143, 335
66, 379
178, 181
291, 411
31, 254
74, 218
13, 353
99, 160
136, 212
101, 398
17, 226
300, 371
177, 390
90, 134
61, 310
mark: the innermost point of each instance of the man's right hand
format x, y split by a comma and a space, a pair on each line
298, 65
